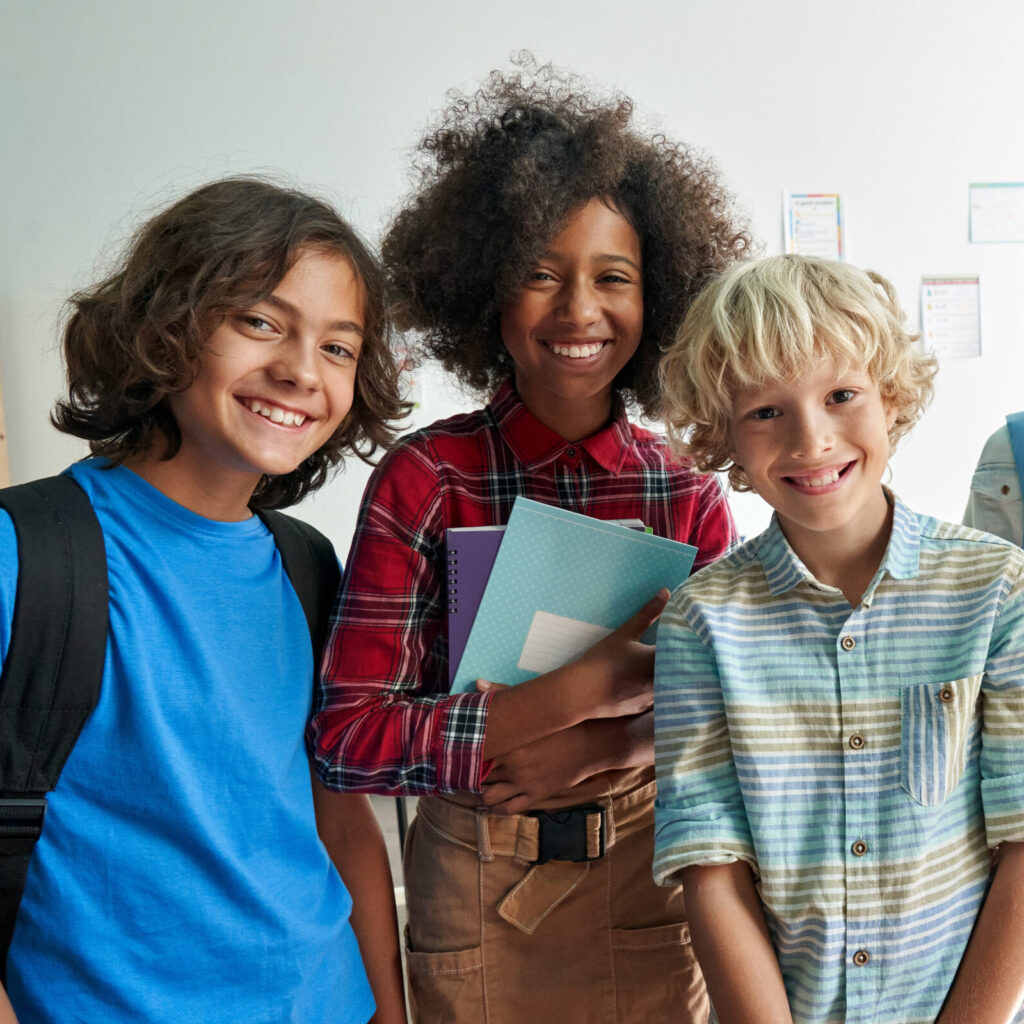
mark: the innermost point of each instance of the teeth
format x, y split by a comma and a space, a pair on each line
819, 481
578, 351
275, 415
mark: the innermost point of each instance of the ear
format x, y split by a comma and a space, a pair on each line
729, 444
891, 412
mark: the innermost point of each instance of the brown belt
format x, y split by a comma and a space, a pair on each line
527, 839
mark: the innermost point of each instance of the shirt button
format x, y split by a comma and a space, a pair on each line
1005, 489
571, 452
847, 643
859, 848
946, 695
861, 957
857, 741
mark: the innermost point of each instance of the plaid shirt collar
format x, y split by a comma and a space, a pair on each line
784, 570
536, 445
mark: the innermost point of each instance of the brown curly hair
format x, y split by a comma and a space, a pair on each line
498, 177
136, 337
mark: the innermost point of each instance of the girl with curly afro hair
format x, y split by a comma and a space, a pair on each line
548, 253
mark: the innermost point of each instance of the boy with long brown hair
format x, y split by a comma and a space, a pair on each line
236, 353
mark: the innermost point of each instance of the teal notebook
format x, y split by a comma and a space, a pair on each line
561, 582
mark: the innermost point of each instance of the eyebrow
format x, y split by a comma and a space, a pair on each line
338, 325
603, 257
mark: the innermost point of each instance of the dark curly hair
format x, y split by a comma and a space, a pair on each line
136, 337
498, 177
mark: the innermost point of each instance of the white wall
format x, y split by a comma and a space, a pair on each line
107, 107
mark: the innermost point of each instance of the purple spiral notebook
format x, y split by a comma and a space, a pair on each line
471, 553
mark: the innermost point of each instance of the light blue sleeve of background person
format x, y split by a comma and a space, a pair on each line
8, 579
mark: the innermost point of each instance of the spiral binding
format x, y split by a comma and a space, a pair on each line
453, 581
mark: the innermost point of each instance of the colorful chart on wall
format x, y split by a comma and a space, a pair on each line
813, 224
951, 315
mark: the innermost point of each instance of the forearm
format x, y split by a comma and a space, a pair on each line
610, 743
732, 945
369, 740
519, 715
6, 1011
606, 744
349, 830
989, 985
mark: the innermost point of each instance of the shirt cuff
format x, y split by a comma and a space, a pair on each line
1003, 800
681, 843
459, 743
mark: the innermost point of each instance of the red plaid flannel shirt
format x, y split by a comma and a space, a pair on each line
383, 719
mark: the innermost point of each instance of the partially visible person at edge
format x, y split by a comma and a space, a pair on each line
995, 503
236, 353
549, 251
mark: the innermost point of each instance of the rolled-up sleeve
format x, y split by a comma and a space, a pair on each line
1002, 749
699, 813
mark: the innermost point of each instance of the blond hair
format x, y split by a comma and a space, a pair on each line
767, 322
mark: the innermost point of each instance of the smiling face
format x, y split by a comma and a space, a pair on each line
815, 449
275, 381
577, 320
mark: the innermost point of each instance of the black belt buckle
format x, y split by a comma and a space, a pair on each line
562, 834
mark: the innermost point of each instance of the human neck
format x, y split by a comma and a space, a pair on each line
224, 498
846, 559
571, 418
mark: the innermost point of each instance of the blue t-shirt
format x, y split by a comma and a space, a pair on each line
179, 877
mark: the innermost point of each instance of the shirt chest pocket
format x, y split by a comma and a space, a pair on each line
935, 730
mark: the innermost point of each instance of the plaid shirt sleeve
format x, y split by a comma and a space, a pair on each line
714, 529
383, 721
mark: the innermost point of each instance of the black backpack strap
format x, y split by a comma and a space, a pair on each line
312, 568
54, 666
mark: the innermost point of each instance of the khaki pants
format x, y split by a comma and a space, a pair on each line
494, 939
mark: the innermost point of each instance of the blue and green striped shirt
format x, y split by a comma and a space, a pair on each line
863, 761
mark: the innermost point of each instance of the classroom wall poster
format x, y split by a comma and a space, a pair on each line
951, 315
813, 224
997, 212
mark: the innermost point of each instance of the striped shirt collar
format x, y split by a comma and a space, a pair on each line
784, 570
536, 445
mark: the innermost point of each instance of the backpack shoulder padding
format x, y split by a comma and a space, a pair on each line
54, 666
309, 560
